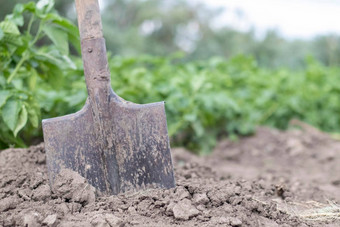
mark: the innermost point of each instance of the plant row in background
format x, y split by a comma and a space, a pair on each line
205, 100
215, 98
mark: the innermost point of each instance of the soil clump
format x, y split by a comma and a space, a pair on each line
273, 178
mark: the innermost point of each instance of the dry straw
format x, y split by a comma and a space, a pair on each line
322, 212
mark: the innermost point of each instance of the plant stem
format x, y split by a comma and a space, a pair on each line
37, 35
22, 60
25, 56
30, 24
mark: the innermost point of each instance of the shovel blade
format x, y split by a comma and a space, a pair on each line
127, 150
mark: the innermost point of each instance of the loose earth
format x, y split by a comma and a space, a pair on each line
273, 178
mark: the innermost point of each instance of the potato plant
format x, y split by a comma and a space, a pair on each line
29, 70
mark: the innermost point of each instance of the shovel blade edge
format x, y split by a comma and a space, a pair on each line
123, 149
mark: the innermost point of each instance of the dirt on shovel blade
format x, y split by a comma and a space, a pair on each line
271, 179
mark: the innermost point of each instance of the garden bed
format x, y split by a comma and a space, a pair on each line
273, 178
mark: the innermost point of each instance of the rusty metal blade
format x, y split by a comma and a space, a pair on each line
116, 145
128, 149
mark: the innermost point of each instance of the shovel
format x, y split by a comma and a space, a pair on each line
116, 145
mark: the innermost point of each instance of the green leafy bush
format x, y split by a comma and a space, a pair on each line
30, 72
215, 98
205, 100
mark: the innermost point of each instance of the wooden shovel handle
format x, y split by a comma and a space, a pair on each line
89, 20
96, 70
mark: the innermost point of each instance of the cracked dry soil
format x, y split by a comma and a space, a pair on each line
264, 180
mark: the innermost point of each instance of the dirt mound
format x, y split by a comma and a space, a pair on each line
271, 179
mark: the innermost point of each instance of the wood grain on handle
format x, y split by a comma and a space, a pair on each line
89, 20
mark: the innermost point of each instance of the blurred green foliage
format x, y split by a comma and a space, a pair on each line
28, 70
161, 28
205, 100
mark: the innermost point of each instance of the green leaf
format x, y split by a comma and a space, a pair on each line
4, 95
12, 39
30, 6
18, 9
9, 27
17, 19
11, 33
3, 81
69, 27
33, 116
50, 58
69, 62
76, 99
22, 120
58, 36
10, 113
32, 80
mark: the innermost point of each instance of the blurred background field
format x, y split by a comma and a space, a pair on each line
221, 72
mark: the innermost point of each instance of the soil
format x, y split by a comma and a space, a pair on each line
273, 178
